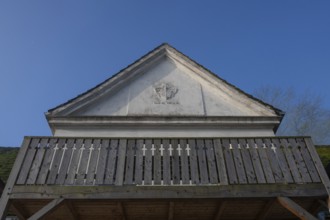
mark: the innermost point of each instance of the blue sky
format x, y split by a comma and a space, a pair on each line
51, 51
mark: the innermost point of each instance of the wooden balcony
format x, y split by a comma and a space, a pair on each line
212, 178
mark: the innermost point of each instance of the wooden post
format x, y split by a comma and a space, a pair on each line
295, 209
4, 205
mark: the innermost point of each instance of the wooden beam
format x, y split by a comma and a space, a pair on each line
171, 211
122, 210
165, 192
46, 210
266, 209
4, 200
221, 208
71, 210
319, 166
295, 209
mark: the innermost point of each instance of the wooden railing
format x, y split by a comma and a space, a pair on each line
104, 161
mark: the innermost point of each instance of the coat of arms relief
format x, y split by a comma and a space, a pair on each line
164, 93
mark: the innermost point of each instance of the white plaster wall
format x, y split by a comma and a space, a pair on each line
161, 132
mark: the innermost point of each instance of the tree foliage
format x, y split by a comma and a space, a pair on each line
305, 114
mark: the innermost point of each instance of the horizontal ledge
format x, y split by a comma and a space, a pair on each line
167, 192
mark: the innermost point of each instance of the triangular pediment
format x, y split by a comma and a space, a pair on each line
164, 83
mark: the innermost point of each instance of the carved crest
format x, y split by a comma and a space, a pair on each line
165, 93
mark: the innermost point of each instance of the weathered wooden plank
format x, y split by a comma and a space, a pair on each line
120, 169
4, 199
148, 162
193, 162
232, 176
175, 161
166, 162
212, 167
83, 163
111, 162
157, 162
238, 162
319, 166
130, 161
271, 151
184, 162
35, 168
23, 175
295, 209
202, 164
256, 161
73, 168
308, 160
221, 166
56, 161
101, 165
93, 159
251, 177
139, 162
62, 174
282, 161
300, 161
291, 162
262, 150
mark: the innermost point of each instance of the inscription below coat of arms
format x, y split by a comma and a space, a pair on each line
165, 93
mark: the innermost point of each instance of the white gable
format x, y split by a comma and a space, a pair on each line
164, 94
169, 89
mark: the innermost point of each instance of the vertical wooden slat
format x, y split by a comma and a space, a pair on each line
291, 162
193, 162
200, 146
73, 169
91, 169
256, 161
213, 174
232, 176
139, 161
175, 161
35, 168
130, 161
65, 162
166, 162
300, 161
148, 162
82, 169
251, 177
184, 162
101, 165
111, 162
308, 160
274, 162
58, 152
44, 169
28, 161
238, 162
282, 161
120, 169
221, 166
265, 161
157, 162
